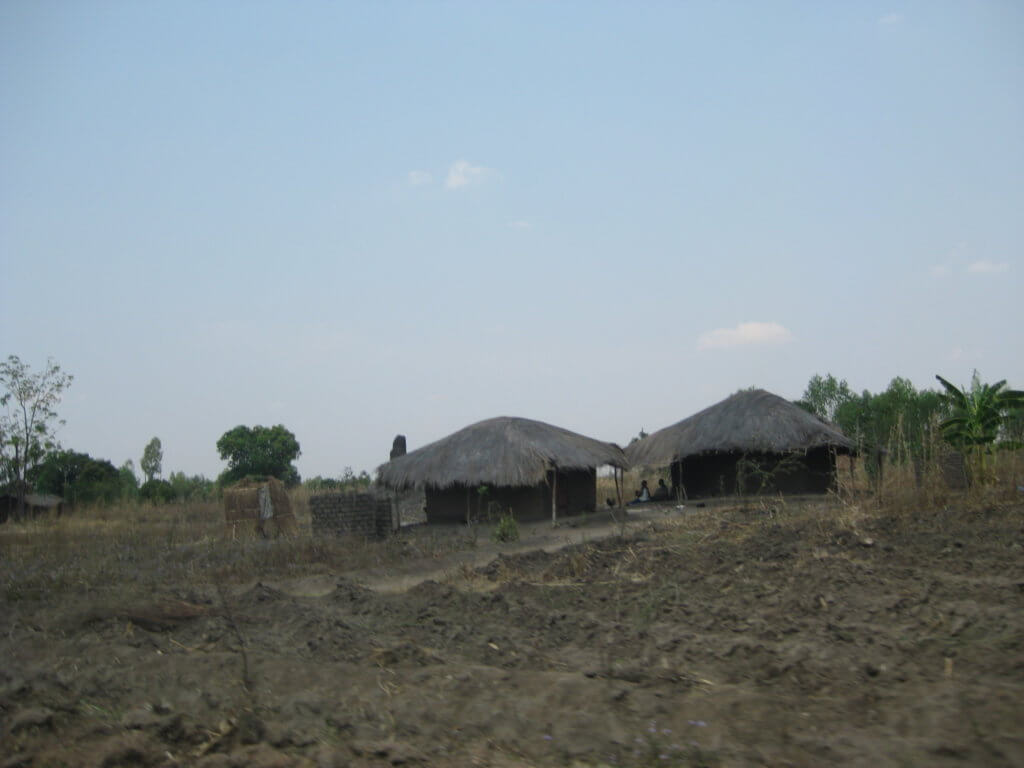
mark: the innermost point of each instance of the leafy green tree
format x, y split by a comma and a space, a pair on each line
1014, 429
978, 415
77, 477
29, 420
901, 420
195, 488
152, 459
129, 482
156, 491
825, 396
261, 451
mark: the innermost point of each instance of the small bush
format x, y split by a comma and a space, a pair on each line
157, 491
506, 529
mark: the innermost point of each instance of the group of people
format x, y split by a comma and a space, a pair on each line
644, 495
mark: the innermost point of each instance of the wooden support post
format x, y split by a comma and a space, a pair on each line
468, 506
554, 495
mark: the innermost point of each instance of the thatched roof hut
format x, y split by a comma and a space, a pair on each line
35, 504
504, 454
752, 424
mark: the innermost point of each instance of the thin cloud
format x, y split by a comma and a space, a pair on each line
940, 270
986, 267
420, 178
744, 333
464, 174
520, 224
890, 19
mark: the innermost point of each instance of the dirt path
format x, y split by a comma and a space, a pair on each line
536, 536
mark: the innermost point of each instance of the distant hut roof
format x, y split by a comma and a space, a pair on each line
753, 421
43, 500
504, 451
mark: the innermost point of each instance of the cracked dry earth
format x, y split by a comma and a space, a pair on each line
729, 637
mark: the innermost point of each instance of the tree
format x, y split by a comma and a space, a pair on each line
825, 396
156, 491
27, 426
1014, 429
152, 459
77, 477
902, 421
978, 415
259, 451
195, 488
129, 482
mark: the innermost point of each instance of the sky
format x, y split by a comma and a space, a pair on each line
360, 219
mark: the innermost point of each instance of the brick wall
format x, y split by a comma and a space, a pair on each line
350, 514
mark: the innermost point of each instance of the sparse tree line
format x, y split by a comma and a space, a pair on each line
906, 424
33, 461
909, 425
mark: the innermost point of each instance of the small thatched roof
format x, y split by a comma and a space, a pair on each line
505, 451
47, 500
753, 421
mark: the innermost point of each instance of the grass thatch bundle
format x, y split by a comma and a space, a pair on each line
504, 451
752, 421
258, 505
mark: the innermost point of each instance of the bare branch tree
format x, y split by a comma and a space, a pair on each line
29, 421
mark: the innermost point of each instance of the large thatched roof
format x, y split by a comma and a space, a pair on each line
505, 451
753, 421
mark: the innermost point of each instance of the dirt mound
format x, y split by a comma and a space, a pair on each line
259, 595
347, 592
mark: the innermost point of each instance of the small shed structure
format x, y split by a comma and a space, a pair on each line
36, 504
750, 442
529, 467
256, 505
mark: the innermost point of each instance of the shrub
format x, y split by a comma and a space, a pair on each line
506, 529
158, 491
77, 477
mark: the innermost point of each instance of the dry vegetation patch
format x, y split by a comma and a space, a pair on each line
748, 632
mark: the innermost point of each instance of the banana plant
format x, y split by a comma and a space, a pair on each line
977, 415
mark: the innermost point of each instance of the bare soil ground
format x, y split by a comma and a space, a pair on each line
805, 634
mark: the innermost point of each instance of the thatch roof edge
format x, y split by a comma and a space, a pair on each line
750, 421
505, 451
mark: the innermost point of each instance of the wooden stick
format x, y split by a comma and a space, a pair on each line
554, 496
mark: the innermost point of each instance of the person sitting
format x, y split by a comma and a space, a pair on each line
661, 492
643, 495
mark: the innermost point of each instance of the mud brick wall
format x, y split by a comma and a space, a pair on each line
350, 514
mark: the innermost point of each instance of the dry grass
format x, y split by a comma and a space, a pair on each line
144, 547
900, 486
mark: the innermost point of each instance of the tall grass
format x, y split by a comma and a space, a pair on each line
156, 548
146, 547
902, 482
